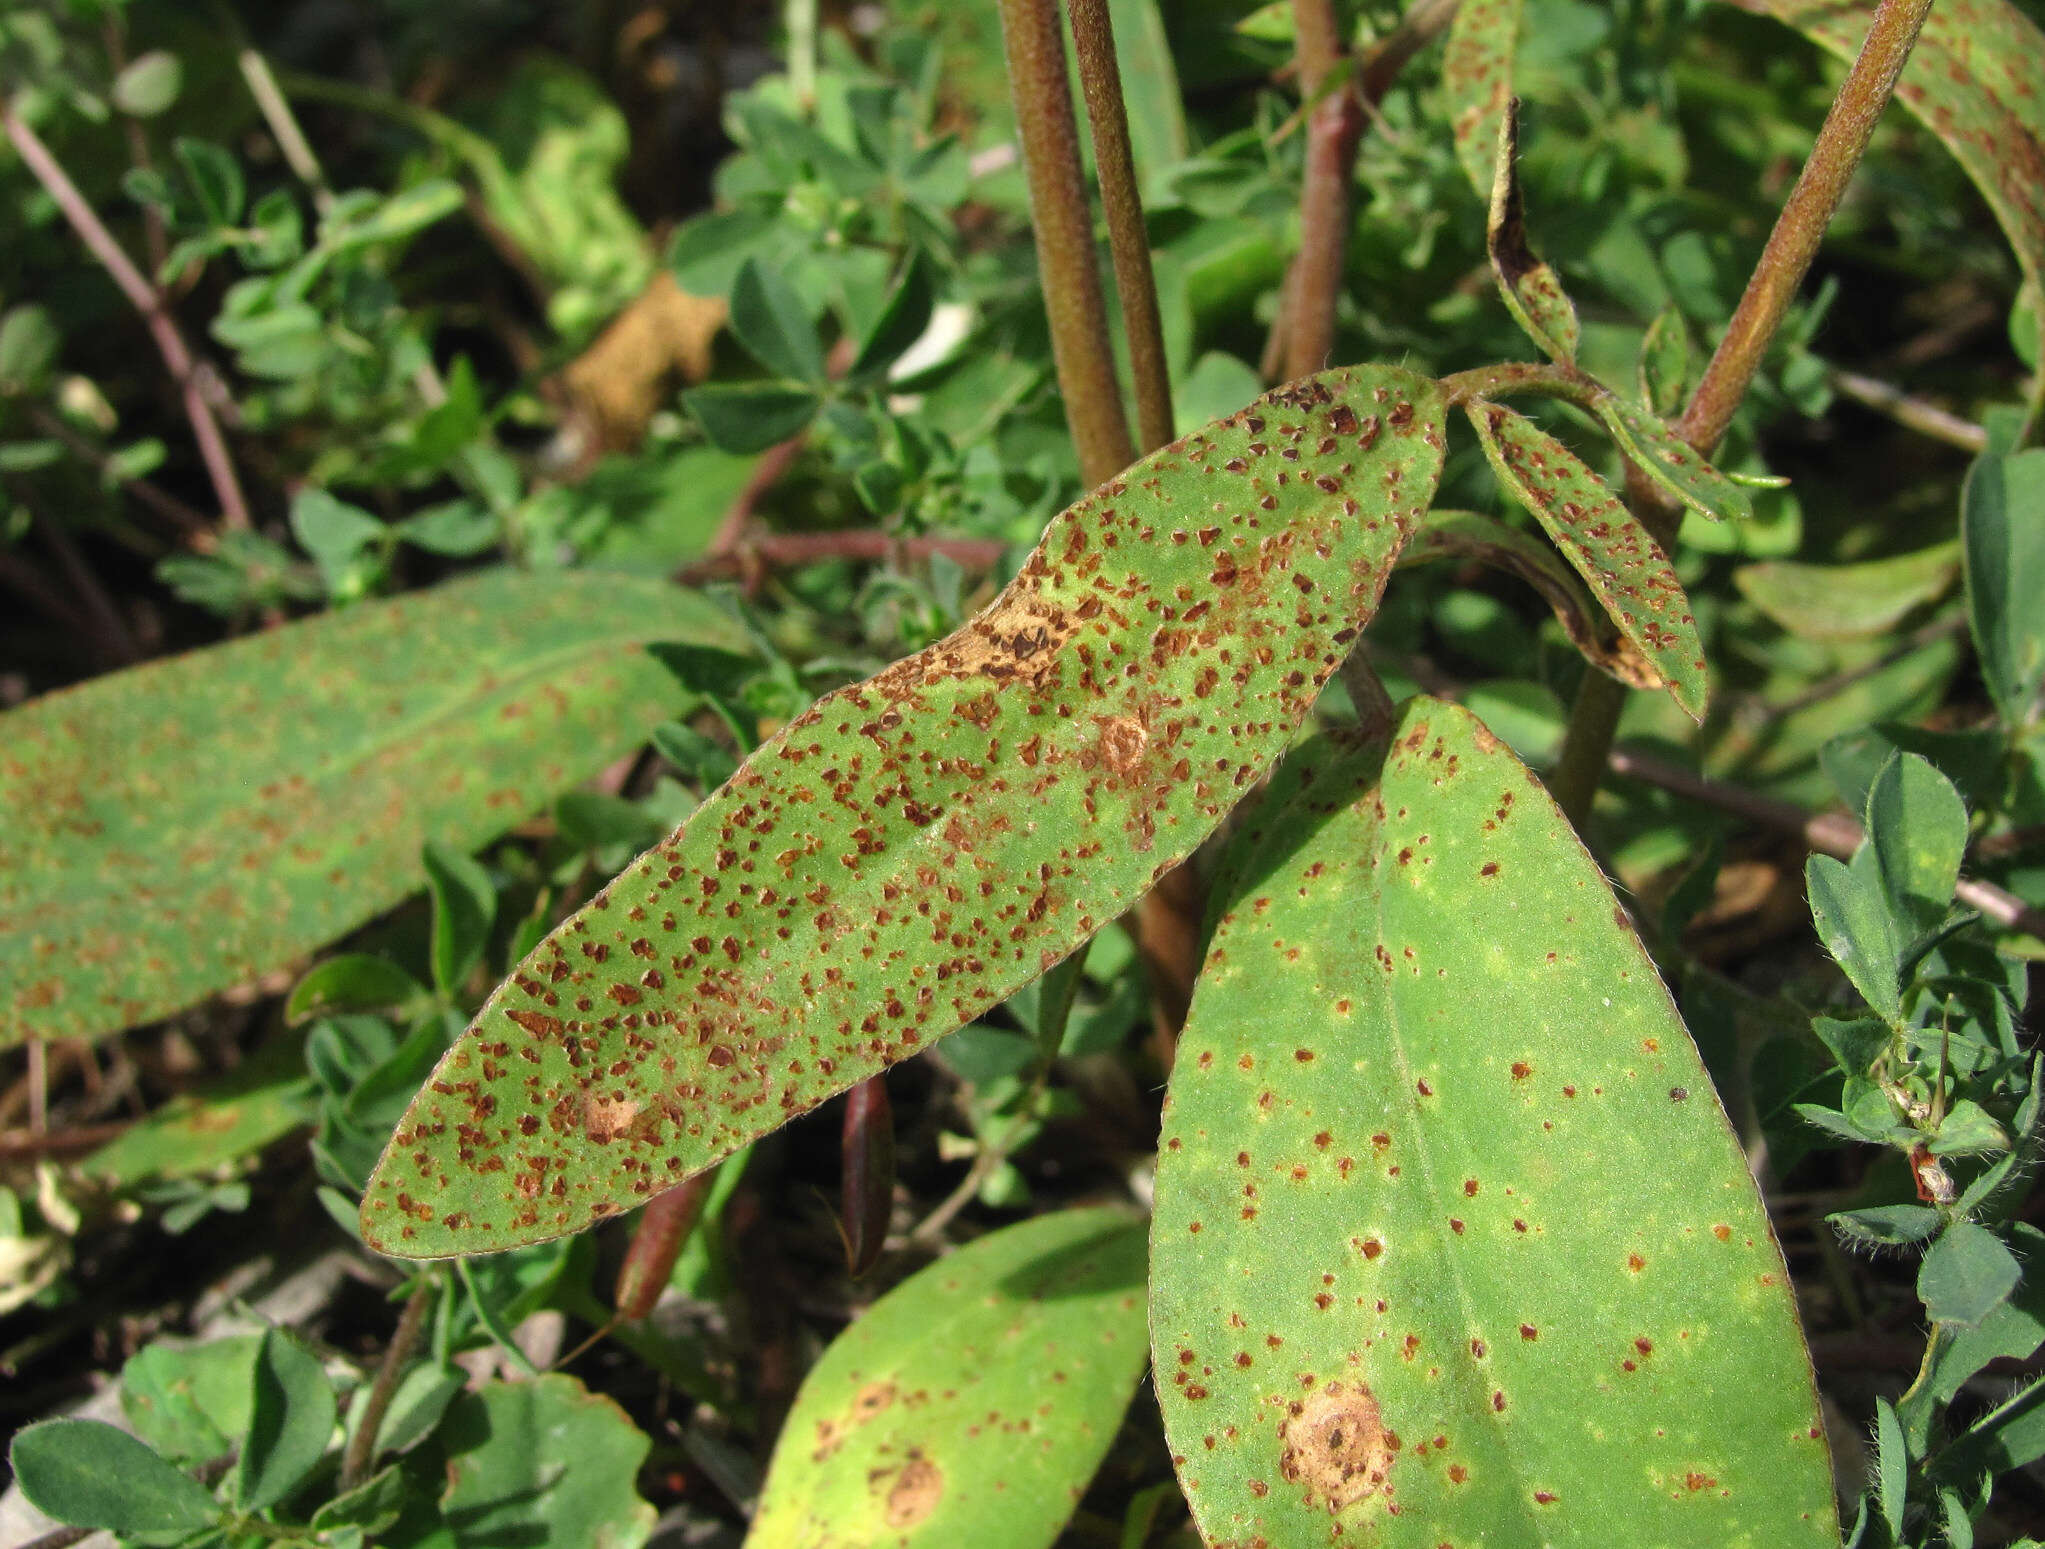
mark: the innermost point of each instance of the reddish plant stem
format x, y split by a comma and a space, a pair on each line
361, 1452
147, 300
867, 1184
1065, 242
1842, 140
1334, 126
1100, 78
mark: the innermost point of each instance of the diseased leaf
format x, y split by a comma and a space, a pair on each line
1469, 535
1976, 77
1827, 602
1672, 462
914, 848
1452, 1241
1532, 290
190, 825
1476, 73
971, 1404
1623, 565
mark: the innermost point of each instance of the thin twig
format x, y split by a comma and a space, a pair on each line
361, 1454
1065, 243
1910, 412
1842, 140
1100, 78
147, 300
190, 524
1829, 833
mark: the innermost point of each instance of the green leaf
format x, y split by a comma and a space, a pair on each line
1533, 292
926, 1423
1028, 777
464, 907
457, 528
1624, 567
1842, 602
903, 317
28, 346
1672, 462
705, 253
401, 215
198, 1133
1886, 1226
1664, 365
1441, 1163
1854, 924
1892, 1466
88, 1474
1967, 1275
542, 1462
2002, 530
751, 416
1476, 77
774, 325
353, 981
148, 84
191, 1402
2013, 1330
702, 759
334, 533
371, 1507
215, 177
291, 1420
201, 821
1917, 828
1976, 77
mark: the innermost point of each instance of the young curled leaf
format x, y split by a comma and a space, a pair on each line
1468, 535
1673, 463
1533, 292
1618, 558
914, 848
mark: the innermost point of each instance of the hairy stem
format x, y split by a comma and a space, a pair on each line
1100, 78
1334, 126
1065, 244
146, 299
361, 1454
1805, 215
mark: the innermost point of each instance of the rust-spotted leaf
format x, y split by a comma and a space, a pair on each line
915, 847
1468, 535
1672, 462
1476, 75
1452, 1241
971, 1404
1976, 77
1617, 557
175, 830
1532, 290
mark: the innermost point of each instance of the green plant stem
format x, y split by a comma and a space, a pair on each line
1334, 126
1594, 718
1063, 225
1842, 140
361, 1454
147, 300
1100, 78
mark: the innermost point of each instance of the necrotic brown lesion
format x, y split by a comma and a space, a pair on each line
1336, 1445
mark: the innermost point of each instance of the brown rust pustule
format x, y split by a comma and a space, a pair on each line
1336, 1446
